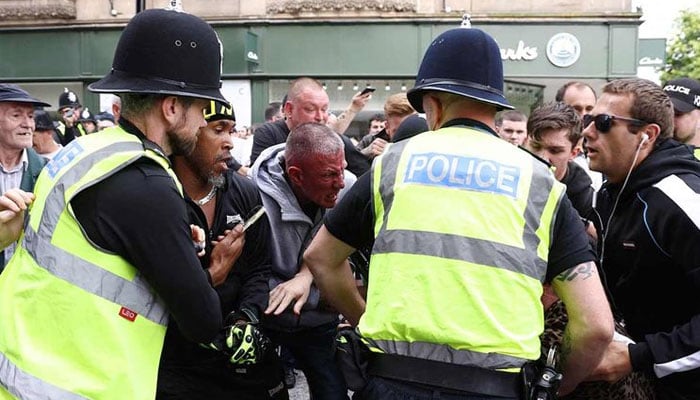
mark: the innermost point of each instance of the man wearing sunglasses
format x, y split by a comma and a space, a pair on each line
649, 230
685, 96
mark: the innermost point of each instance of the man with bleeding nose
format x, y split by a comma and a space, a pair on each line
298, 181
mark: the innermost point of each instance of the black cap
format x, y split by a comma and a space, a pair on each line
409, 127
43, 121
684, 94
217, 110
104, 116
15, 94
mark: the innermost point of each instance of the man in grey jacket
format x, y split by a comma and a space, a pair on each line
298, 181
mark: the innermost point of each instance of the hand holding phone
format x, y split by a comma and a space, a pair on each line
366, 90
250, 221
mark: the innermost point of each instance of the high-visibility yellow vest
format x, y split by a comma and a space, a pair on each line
80, 130
462, 232
78, 322
696, 152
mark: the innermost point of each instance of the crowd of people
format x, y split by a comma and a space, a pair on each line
460, 249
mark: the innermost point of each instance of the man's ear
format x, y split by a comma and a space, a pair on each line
576, 149
287, 109
652, 131
296, 176
170, 107
433, 107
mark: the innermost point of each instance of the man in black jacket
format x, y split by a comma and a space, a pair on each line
649, 230
307, 101
554, 131
219, 200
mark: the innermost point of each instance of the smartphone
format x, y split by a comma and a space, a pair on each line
254, 218
366, 90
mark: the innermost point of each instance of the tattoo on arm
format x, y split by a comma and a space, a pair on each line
583, 271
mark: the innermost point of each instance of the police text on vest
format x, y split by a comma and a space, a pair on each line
460, 172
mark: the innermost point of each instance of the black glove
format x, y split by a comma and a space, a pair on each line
242, 342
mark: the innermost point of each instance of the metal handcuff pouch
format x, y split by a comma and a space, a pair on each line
540, 379
352, 357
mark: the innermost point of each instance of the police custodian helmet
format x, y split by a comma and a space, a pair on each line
68, 99
465, 62
166, 52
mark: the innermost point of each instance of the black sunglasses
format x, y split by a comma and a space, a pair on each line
604, 122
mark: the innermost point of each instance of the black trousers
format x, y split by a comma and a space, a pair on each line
220, 380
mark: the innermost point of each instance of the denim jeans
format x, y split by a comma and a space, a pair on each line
386, 389
313, 349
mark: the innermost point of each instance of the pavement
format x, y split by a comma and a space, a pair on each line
300, 391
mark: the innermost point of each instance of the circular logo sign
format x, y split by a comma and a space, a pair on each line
563, 50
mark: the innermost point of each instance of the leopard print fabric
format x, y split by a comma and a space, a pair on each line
636, 386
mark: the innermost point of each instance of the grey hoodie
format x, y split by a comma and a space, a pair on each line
291, 230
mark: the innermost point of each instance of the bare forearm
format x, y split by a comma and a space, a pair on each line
326, 257
579, 355
590, 327
343, 121
346, 297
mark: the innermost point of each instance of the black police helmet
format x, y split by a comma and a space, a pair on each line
465, 62
166, 52
86, 116
68, 99
217, 110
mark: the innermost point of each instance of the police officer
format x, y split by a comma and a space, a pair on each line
685, 96
465, 228
107, 255
87, 121
69, 112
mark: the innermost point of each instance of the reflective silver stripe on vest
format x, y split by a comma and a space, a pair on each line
389, 159
136, 295
444, 353
25, 386
479, 251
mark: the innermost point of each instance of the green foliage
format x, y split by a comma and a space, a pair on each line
683, 52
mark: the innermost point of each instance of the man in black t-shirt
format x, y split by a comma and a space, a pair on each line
307, 101
554, 132
219, 200
438, 220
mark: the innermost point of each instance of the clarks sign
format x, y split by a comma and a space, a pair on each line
521, 53
563, 50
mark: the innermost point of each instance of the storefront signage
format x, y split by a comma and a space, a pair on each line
652, 52
563, 50
521, 53
251, 48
